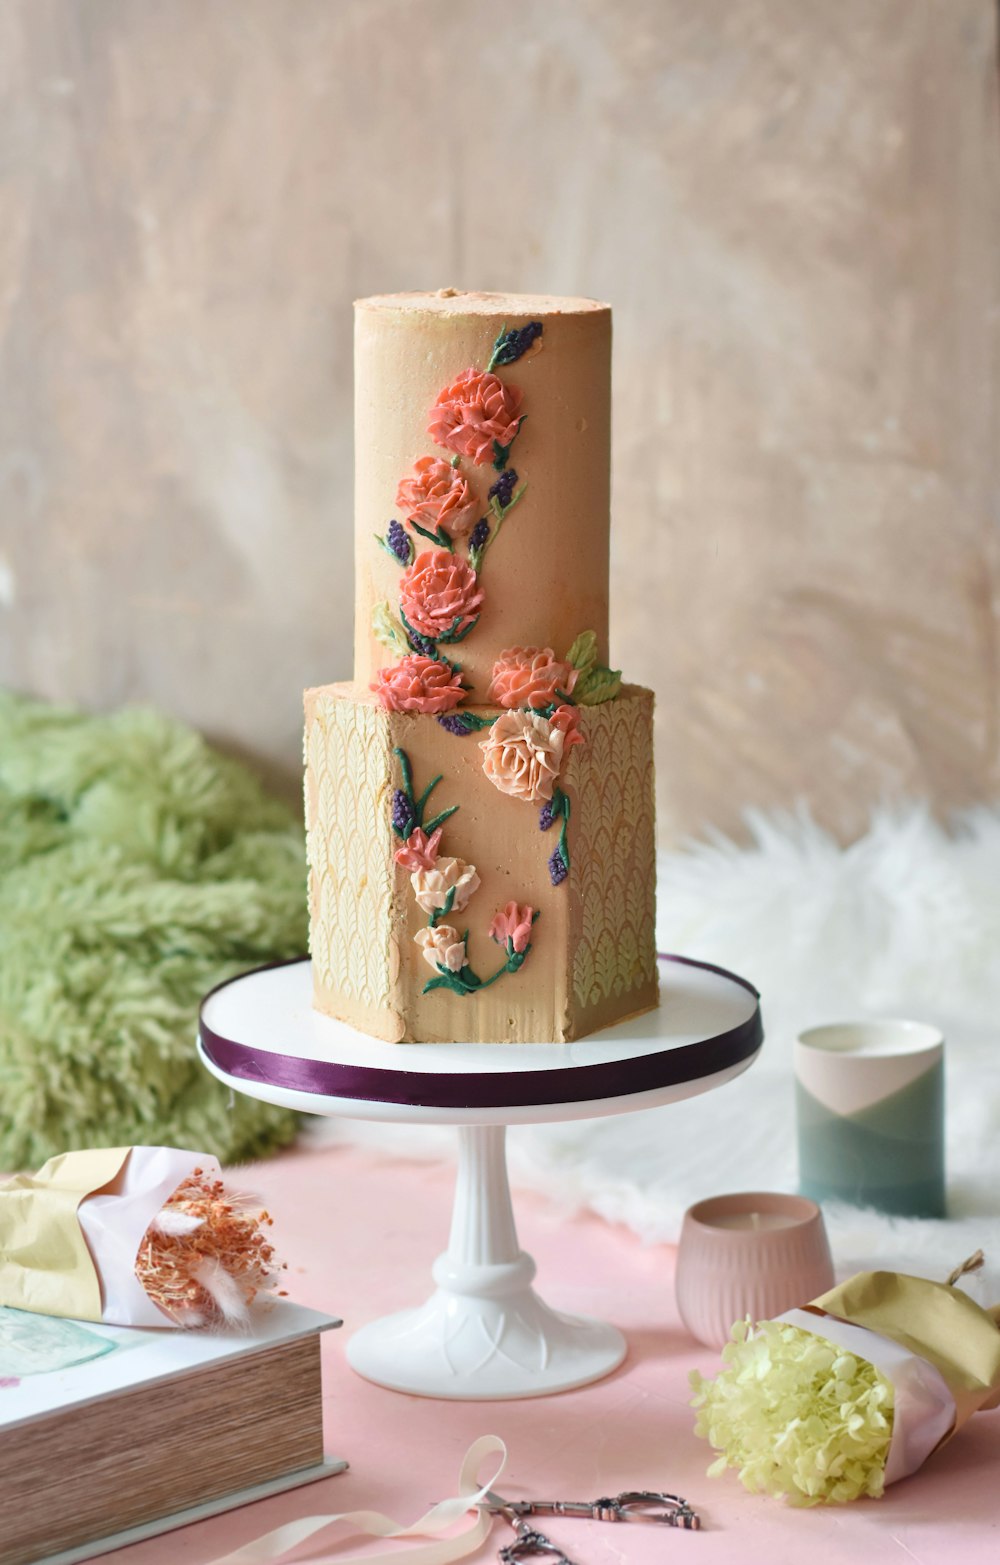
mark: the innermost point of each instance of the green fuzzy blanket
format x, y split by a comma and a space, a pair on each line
137, 869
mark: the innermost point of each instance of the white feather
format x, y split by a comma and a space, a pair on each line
175, 1224
225, 1293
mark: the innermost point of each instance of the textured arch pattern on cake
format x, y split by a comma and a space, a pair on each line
350, 865
612, 779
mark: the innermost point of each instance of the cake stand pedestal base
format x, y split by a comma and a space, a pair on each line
485, 1333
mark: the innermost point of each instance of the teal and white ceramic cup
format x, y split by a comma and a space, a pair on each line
870, 1106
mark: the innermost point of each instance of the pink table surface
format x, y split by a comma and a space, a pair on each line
359, 1233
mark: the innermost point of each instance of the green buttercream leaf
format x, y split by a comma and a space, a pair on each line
454, 981
439, 820
421, 803
583, 653
599, 684
440, 537
385, 629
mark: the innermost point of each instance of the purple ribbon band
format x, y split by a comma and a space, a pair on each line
489, 1089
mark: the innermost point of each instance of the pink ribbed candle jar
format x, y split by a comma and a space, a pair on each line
755, 1254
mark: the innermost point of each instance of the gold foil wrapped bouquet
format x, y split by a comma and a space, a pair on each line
854, 1391
133, 1236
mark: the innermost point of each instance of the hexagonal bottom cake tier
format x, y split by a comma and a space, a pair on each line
592, 960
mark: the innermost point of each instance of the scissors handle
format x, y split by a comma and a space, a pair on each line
649, 1505
634, 1505
530, 1543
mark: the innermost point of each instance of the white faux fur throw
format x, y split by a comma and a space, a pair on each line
904, 923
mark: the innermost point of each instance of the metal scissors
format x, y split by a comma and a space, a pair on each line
634, 1505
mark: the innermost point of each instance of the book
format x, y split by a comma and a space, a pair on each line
110, 1434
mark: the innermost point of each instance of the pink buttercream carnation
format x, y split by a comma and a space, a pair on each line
442, 947
473, 412
512, 923
419, 851
439, 592
418, 684
530, 676
431, 887
437, 496
568, 719
522, 754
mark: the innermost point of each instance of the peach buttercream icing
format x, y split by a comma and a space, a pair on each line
431, 887
439, 593
477, 409
530, 676
437, 495
418, 684
512, 923
522, 754
442, 946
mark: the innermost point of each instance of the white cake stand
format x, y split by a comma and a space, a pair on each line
484, 1333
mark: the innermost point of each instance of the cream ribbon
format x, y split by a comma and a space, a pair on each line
437, 1521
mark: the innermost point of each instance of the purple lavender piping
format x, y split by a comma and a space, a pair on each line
402, 814
558, 868
399, 542
516, 342
503, 490
455, 724
546, 818
479, 533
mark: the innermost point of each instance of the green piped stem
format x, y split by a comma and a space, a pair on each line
458, 983
443, 911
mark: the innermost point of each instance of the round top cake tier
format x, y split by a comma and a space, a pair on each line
482, 433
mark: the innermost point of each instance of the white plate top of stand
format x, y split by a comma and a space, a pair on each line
262, 1037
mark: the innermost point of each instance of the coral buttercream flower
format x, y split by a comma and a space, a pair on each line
419, 851
442, 947
568, 719
431, 887
438, 496
522, 754
530, 676
440, 594
418, 684
512, 923
473, 412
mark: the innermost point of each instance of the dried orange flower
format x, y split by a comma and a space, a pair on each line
205, 1256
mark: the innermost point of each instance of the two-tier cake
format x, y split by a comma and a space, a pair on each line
479, 800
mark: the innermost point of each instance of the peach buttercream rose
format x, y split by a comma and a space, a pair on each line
530, 676
437, 496
512, 923
522, 754
418, 684
473, 412
439, 592
442, 947
431, 886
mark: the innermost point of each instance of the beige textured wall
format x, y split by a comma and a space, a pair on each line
794, 208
